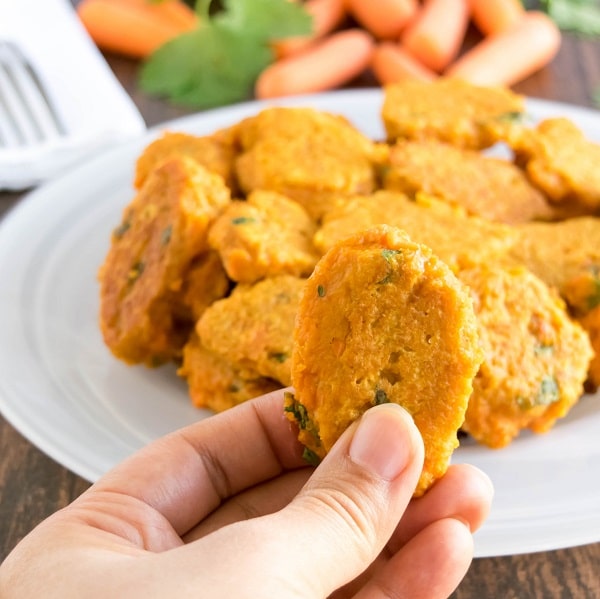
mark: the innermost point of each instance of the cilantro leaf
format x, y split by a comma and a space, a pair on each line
579, 16
218, 62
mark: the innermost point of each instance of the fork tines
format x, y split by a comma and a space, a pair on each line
27, 116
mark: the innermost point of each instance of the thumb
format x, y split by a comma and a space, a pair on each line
348, 510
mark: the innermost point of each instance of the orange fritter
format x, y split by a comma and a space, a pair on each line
267, 235
310, 156
563, 164
536, 357
253, 327
455, 237
449, 110
558, 252
163, 229
215, 152
384, 320
216, 384
488, 187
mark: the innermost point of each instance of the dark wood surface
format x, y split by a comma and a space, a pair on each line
32, 486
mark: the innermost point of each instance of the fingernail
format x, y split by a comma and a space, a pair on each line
381, 442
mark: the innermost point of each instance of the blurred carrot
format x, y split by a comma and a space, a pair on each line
391, 63
437, 32
512, 55
383, 18
174, 11
132, 28
329, 63
494, 16
326, 15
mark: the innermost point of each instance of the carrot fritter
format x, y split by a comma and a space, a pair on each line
253, 327
163, 229
455, 237
449, 110
561, 162
267, 235
310, 156
215, 152
383, 320
536, 357
214, 383
492, 188
558, 252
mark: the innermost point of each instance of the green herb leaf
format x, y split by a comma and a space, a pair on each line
242, 220
219, 62
579, 16
309, 456
321, 291
381, 397
547, 393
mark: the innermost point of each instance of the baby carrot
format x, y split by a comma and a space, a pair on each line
391, 63
123, 28
326, 16
494, 16
437, 32
383, 18
329, 63
512, 55
175, 12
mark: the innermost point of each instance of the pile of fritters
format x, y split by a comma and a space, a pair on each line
210, 261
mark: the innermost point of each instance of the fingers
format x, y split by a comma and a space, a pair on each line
430, 566
261, 500
346, 513
187, 474
464, 493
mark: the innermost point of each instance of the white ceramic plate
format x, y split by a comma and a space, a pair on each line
64, 391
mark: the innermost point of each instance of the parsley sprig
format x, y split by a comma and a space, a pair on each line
218, 62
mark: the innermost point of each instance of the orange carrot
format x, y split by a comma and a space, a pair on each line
124, 28
512, 55
383, 18
174, 11
329, 63
326, 15
391, 63
494, 16
436, 34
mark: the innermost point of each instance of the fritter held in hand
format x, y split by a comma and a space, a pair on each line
384, 320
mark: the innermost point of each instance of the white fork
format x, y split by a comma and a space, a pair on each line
27, 116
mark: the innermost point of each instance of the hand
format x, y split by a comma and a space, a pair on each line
227, 508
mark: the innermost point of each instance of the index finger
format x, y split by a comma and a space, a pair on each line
189, 473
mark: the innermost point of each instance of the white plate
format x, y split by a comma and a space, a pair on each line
64, 391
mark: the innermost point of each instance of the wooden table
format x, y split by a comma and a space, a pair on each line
32, 486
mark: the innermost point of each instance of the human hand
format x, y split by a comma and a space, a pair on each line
227, 508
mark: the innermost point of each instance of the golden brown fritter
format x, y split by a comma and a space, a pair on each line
492, 188
449, 110
456, 238
558, 252
310, 156
215, 152
253, 327
214, 383
163, 229
561, 162
383, 320
267, 235
590, 321
536, 357
205, 282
